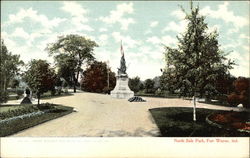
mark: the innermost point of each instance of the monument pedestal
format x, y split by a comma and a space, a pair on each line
122, 90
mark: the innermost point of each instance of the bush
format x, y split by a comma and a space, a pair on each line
241, 94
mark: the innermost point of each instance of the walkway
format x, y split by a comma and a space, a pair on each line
99, 115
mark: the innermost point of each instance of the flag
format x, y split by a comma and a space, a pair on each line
122, 51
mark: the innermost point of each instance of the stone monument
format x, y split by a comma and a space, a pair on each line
122, 90
27, 97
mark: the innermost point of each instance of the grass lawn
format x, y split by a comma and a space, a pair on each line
16, 118
178, 122
11, 107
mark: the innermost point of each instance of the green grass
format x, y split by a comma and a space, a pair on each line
157, 95
178, 122
7, 108
16, 125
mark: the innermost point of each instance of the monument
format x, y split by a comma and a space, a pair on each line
121, 90
27, 97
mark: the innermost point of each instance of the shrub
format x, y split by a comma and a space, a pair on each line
241, 94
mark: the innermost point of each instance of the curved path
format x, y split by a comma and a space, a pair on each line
99, 115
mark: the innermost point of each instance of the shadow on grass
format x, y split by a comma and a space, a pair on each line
178, 122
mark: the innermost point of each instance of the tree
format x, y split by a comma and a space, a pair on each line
241, 94
168, 81
224, 84
96, 78
197, 61
149, 86
40, 77
66, 67
9, 68
78, 48
14, 83
135, 84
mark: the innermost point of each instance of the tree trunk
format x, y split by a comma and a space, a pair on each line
75, 86
76, 80
194, 108
38, 98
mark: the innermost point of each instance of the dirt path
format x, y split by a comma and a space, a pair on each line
100, 115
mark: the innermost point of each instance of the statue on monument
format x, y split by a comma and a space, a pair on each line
122, 69
122, 91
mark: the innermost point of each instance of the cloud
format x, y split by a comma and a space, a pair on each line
7, 41
226, 15
103, 39
103, 30
166, 40
19, 32
78, 14
73, 8
128, 42
146, 63
213, 28
154, 23
154, 40
117, 15
242, 63
176, 27
34, 16
179, 14
243, 36
148, 31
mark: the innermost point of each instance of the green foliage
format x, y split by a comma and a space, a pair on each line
195, 65
241, 95
14, 83
96, 78
71, 52
66, 67
149, 86
135, 84
40, 77
9, 68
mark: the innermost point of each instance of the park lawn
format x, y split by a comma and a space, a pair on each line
24, 117
12, 107
178, 122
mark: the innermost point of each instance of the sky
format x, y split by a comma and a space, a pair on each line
143, 26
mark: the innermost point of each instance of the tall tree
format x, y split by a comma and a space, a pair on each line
76, 47
9, 68
40, 77
98, 78
66, 67
197, 61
